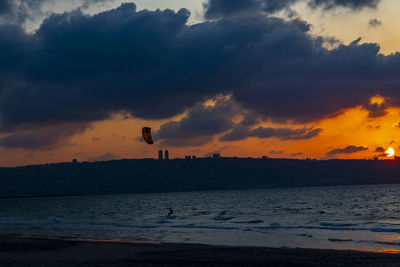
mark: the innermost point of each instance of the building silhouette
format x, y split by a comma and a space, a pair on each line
166, 154
160, 155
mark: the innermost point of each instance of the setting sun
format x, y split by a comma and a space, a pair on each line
389, 152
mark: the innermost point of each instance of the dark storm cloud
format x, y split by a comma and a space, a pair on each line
285, 133
276, 152
105, 157
374, 23
221, 8
376, 109
199, 126
203, 122
352, 4
5, 7
78, 68
41, 139
14, 50
241, 133
296, 154
347, 150
82, 68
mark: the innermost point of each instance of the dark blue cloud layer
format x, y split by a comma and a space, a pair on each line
78, 68
222, 8
46, 138
202, 123
242, 132
347, 150
5, 7
352, 4
199, 126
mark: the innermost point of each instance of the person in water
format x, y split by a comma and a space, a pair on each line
170, 212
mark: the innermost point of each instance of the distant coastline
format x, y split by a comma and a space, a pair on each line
201, 174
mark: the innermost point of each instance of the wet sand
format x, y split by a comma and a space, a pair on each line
27, 251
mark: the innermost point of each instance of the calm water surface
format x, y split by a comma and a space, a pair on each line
346, 217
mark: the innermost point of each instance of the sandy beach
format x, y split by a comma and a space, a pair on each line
27, 251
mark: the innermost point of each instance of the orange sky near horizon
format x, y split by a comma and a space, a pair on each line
121, 136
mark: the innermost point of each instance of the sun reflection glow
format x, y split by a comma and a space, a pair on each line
385, 250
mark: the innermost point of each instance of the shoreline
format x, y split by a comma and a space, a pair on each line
41, 251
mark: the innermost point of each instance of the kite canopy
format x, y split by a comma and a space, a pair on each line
146, 131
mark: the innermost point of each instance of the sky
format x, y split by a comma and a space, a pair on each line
250, 78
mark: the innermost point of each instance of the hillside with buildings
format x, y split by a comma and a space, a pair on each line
189, 174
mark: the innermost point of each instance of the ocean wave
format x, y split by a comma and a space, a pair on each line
220, 223
338, 224
27, 221
202, 213
124, 224
388, 243
51, 220
223, 218
162, 221
216, 227
339, 240
250, 221
386, 230
251, 224
391, 222
8, 220
315, 227
305, 235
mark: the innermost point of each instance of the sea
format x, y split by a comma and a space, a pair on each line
358, 217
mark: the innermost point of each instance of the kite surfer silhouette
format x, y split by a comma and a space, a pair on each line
170, 212
146, 132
